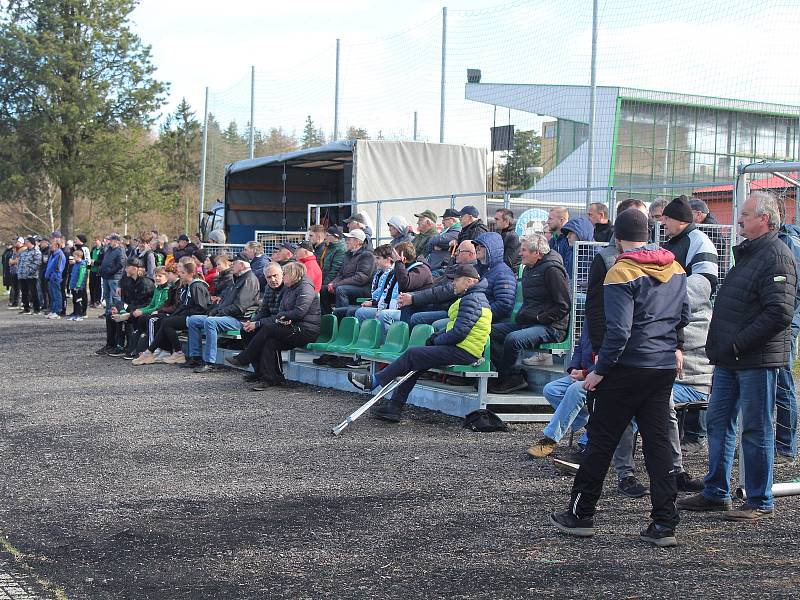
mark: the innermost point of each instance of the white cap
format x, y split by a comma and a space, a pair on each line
20, 240
356, 233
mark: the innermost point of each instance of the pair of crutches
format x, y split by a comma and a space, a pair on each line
389, 387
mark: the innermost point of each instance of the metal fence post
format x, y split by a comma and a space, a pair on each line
252, 144
203, 160
336, 96
506, 199
378, 222
444, 61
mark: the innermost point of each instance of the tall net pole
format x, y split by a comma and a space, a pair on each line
592, 102
336, 94
252, 141
444, 63
205, 157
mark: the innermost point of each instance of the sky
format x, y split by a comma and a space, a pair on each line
391, 56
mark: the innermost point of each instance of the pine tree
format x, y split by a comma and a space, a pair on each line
526, 153
312, 136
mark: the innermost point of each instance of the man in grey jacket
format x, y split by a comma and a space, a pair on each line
225, 316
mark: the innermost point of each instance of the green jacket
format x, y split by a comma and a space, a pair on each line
160, 295
332, 259
421, 240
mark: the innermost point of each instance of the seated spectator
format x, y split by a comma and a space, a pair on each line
359, 221
578, 229
225, 316
543, 317
136, 291
462, 343
145, 253
183, 247
598, 217
296, 323
254, 252
471, 225
408, 275
431, 305
331, 260
140, 317
502, 283
305, 254
556, 219
210, 272
161, 312
426, 229
357, 269
504, 225
193, 299
316, 235
223, 279
284, 253
267, 309
438, 249
77, 286
398, 229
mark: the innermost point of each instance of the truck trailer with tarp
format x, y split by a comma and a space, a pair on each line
273, 195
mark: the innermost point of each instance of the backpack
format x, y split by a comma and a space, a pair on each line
485, 421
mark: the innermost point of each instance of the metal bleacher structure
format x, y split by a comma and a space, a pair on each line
366, 340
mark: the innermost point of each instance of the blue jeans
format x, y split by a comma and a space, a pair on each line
198, 325
695, 428
753, 392
386, 316
345, 295
568, 398
429, 317
110, 293
510, 339
56, 301
786, 413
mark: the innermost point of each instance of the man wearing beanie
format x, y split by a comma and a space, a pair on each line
646, 309
692, 248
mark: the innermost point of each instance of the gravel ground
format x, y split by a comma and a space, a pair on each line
125, 482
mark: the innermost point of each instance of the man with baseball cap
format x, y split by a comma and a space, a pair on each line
646, 309
284, 253
701, 212
438, 249
426, 229
359, 221
353, 281
461, 343
471, 224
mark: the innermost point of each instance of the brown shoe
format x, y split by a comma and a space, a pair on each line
748, 513
544, 447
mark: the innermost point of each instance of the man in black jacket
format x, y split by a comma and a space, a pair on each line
225, 316
543, 317
504, 225
471, 225
353, 280
748, 342
598, 217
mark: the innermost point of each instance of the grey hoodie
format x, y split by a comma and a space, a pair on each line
697, 368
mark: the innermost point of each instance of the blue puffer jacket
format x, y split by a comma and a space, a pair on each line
502, 284
580, 226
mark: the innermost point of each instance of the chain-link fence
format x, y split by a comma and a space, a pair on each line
216, 249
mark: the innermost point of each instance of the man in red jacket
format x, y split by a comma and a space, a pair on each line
305, 255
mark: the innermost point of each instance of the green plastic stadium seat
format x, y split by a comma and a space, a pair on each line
419, 335
347, 335
369, 337
517, 304
394, 344
329, 327
484, 367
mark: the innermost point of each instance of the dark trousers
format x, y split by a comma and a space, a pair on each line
263, 351
627, 393
421, 358
114, 335
30, 295
79, 301
95, 288
44, 291
167, 336
14, 291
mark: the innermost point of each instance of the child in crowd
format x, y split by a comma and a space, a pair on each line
77, 285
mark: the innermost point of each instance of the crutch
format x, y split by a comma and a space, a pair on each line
369, 403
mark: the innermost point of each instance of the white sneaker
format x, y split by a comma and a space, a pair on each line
176, 358
53, 316
77, 318
159, 355
540, 359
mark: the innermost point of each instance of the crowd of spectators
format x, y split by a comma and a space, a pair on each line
476, 284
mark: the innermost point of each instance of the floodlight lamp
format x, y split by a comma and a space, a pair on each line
473, 75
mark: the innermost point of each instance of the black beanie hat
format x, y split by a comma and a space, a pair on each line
680, 210
631, 226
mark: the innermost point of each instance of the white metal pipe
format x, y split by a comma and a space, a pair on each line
444, 62
252, 144
592, 104
336, 95
779, 490
770, 167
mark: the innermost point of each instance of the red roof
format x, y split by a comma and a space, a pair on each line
771, 183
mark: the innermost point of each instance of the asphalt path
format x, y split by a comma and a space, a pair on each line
151, 482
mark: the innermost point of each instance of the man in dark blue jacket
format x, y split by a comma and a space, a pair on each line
111, 270
462, 343
502, 282
56, 264
646, 309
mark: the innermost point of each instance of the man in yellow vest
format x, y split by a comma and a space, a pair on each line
461, 343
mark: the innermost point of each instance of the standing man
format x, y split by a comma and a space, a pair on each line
504, 225
598, 217
645, 307
748, 342
28, 274
111, 270
702, 215
56, 264
692, 248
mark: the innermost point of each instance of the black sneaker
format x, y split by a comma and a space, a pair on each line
131, 355
356, 364
251, 377
513, 384
323, 360
104, 350
205, 368
632, 487
387, 410
568, 523
116, 352
699, 503
659, 535
192, 362
361, 381
686, 483
694, 447
234, 360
